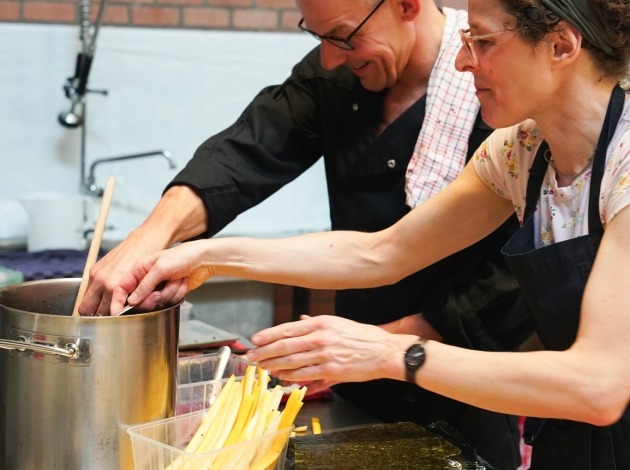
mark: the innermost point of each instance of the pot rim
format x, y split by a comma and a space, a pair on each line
69, 317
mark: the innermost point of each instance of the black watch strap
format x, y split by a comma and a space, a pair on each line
414, 358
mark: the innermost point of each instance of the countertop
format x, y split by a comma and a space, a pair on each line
334, 413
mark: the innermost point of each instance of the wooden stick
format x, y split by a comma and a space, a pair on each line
96, 241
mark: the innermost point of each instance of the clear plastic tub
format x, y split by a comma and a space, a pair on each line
200, 368
160, 445
195, 387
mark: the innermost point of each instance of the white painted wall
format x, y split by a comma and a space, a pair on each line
168, 90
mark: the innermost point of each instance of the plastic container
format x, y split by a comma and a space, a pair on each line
200, 368
195, 386
160, 446
55, 221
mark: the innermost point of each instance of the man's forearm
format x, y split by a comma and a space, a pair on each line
413, 324
179, 215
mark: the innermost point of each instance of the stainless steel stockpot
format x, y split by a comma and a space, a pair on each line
70, 386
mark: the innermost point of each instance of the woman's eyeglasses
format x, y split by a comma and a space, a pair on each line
468, 40
341, 43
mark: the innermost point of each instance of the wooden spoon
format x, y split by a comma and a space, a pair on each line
96, 241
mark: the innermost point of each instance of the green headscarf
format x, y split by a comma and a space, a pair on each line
586, 18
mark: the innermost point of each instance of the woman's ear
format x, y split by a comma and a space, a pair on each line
566, 44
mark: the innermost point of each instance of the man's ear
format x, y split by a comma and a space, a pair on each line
410, 9
566, 43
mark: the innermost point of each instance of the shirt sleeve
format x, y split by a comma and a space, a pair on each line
503, 162
615, 192
274, 140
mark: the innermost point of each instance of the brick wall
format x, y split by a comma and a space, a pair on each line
258, 15
250, 15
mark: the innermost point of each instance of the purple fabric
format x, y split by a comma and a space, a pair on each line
46, 264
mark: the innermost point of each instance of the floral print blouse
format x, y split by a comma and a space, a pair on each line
503, 162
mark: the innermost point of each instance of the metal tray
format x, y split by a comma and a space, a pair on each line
196, 334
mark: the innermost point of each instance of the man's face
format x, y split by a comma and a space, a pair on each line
376, 57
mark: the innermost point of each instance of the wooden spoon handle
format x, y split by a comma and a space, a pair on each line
96, 241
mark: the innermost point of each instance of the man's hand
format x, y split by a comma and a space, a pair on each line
178, 216
163, 278
105, 274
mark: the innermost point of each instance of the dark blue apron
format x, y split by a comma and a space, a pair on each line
552, 279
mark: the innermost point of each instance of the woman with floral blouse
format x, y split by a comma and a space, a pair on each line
547, 74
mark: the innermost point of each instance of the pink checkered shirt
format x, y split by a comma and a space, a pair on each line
451, 110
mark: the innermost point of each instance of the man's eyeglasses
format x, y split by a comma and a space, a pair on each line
342, 43
468, 39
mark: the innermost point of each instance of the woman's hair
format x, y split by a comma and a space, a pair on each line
537, 20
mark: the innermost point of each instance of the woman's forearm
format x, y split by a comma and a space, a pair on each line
343, 259
329, 260
573, 384
333, 260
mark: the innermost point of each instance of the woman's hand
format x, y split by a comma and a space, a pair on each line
108, 271
179, 215
163, 278
331, 349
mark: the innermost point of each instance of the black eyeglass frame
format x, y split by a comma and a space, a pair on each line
339, 42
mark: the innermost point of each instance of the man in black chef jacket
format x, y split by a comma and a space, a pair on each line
381, 101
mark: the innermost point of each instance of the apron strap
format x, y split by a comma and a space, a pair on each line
539, 165
536, 177
613, 114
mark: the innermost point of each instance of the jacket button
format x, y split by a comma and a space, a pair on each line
391, 163
355, 107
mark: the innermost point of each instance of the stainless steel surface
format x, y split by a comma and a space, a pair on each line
56, 413
196, 334
70, 351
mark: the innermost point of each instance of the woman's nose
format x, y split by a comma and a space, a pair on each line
463, 62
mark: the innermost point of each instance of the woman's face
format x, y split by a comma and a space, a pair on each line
511, 75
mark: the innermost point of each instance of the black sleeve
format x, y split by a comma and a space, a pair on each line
275, 139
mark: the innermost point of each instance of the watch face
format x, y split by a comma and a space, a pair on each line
415, 355
414, 358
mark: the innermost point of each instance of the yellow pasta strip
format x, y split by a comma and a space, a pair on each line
317, 428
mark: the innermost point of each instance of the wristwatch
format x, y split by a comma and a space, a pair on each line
414, 358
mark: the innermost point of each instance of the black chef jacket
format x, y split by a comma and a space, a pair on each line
470, 297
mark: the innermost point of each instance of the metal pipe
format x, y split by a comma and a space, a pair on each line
97, 25
90, 185
84, 24
83, 133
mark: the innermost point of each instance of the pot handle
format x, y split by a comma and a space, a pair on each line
71, 352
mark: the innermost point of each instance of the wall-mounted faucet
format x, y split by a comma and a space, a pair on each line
76, 90
89, 185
